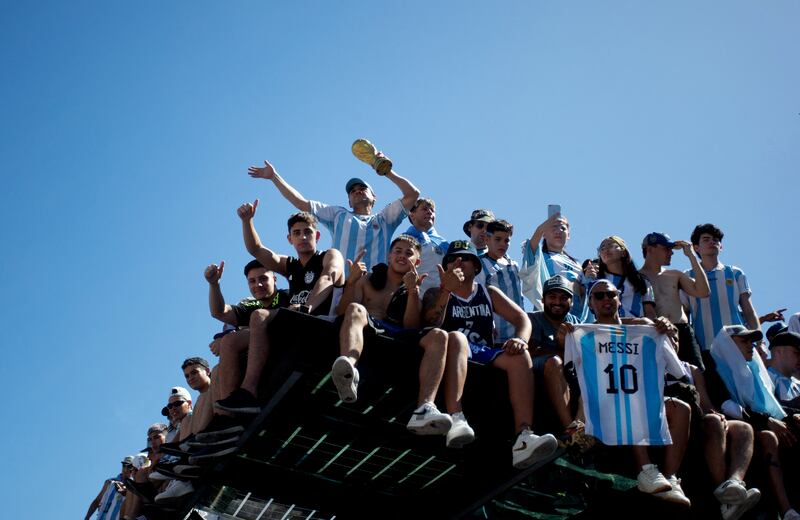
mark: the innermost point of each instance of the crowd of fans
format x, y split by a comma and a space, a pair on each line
735, 394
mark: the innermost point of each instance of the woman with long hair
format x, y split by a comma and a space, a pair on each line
615, 264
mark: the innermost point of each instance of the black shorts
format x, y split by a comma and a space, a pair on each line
688, 347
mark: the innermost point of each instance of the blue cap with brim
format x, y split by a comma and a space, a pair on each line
658, 239
459, 248
355, 181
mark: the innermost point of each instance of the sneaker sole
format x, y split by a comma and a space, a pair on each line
661, 489
434, 427
343, 375
673, 498
748, 504
546, 446
218, 435
204, 444
203, 459
731, 495
245, 410
461, 440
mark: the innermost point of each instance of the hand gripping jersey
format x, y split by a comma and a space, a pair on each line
621, 374
111, 502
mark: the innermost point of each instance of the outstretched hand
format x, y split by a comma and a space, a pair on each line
247, 211
267, 172
213, 272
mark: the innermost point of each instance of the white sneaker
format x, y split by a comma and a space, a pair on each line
531, 448
461, 433
675, 494
732, 491
345, 377
428, 420
791, 514
735, 511
650, 480
176, 489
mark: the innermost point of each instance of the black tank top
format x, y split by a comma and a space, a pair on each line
473, 317
302, 279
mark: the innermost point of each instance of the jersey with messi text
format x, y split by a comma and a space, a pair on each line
621, 372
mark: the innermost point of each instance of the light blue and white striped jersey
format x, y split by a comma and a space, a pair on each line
721, 307
350, 233
621, 372
786, 388
110, 502
632, 302
538, 267
503, 274
434, 247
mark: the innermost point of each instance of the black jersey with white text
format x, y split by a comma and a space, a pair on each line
302, 279
472, 316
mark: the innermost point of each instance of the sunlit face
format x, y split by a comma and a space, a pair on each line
556, 304
303, 237
610, 251
659, 254
708, 245
361, 195
498, 243
197, 376
261, 283
477, 234
423, 216
178, 408
403, 256
604, 300
557, 235
745, 346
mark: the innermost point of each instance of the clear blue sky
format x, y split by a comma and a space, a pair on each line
127, 129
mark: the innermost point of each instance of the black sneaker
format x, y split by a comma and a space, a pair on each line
188, 471
220, 427
212, 454
240, 401
194, 445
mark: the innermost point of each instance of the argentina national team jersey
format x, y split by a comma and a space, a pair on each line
350, 233
621, 375
504, 276
721, 307
111, 502
539, 266
631, 302
786, 388
433, 247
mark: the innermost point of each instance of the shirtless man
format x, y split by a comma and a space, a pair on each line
657, 251
388, 302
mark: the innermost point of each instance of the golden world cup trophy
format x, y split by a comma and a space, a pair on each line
366, 152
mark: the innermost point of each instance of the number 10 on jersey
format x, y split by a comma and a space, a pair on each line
624, 378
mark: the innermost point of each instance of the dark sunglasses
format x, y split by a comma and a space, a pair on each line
602, 295
175, 404
479, 224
